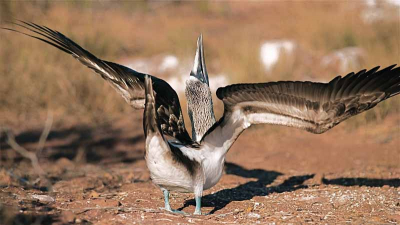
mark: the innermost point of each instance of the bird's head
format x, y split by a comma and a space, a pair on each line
199, 70
197, 86
198, 95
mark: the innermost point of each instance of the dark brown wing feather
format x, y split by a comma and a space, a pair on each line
129, 83
315, 107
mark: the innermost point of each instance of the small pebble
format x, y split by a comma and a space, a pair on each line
43, 198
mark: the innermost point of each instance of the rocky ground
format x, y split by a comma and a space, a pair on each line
273, 175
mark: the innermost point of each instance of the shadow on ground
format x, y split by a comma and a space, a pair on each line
369, 182
33, 213
250, 189
99, 144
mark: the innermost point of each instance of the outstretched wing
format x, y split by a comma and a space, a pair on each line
315, 107
129, 83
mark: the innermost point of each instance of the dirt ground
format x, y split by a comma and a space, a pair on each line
272, 175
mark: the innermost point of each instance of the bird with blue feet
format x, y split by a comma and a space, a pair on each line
183, 163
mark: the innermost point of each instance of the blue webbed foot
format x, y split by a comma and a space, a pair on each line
167, 206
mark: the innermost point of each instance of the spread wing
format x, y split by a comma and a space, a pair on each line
315, 107
129, 83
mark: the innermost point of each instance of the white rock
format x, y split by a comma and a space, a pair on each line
344, 59
253, 215
379, 10
43, 198
217, 81
343, 199
373, 3
370, 3
371, 15
271, 51
153, 65
394, 2
307, 198
169, 62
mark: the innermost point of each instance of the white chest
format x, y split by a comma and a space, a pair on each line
213, 166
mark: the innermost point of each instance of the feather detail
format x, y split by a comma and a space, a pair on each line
129, 83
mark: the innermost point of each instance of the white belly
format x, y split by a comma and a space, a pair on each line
213, 166
173, 176
163, 171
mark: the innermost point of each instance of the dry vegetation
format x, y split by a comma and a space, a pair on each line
37, 78
92, 122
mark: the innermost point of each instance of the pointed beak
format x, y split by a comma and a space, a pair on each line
199, 66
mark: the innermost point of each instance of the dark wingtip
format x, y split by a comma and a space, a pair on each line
219, 93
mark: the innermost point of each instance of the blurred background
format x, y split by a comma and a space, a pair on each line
244, 42
95, 143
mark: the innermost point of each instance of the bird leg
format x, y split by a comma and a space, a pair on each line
197, 211
166, 200
167, 206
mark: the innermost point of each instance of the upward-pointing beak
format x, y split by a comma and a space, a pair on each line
199, 66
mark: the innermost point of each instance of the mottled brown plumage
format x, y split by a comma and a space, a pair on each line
198, 94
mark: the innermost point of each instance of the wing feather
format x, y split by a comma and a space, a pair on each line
315, 107
129, 83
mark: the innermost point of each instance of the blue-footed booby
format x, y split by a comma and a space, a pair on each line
180, 163
198, 95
